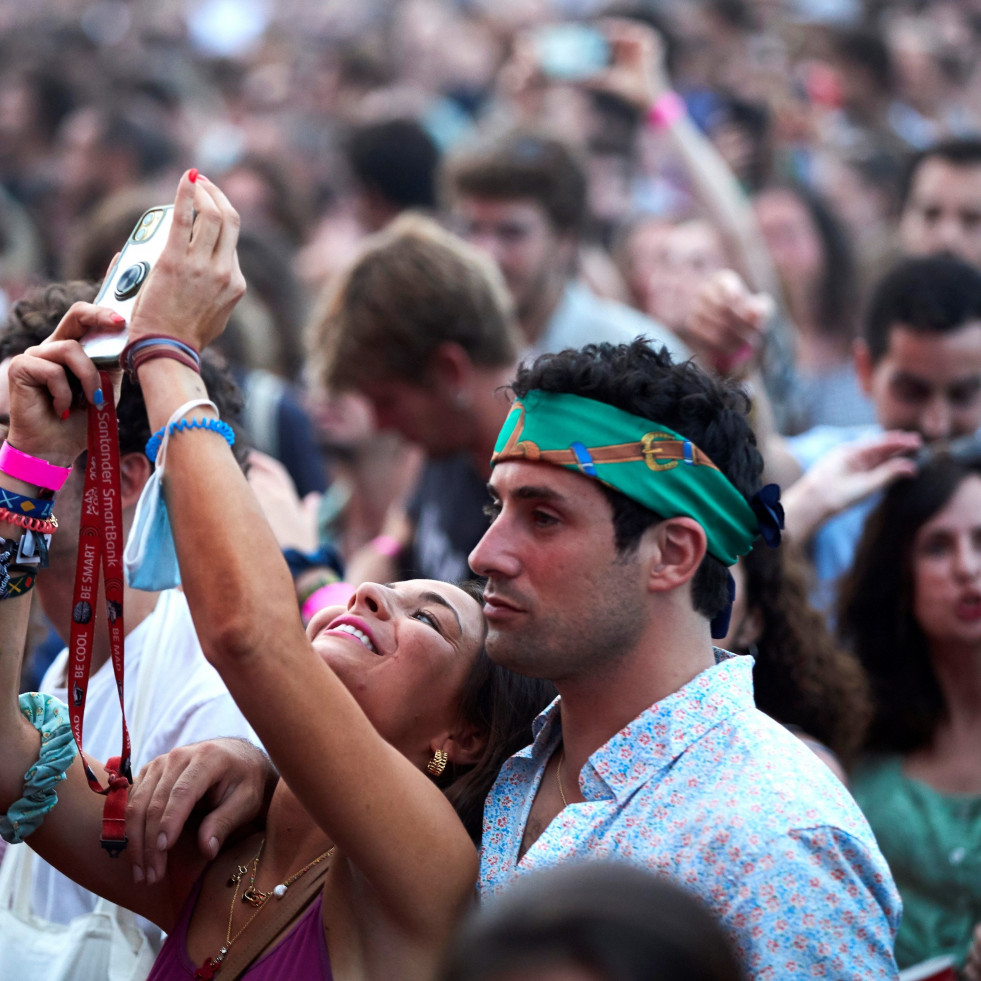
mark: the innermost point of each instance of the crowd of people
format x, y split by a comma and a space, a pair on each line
568, 418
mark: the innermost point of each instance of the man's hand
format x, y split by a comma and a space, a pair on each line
846, 475
230, 777
725, 329
637, 72
972, 968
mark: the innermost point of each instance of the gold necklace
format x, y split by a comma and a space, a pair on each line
558, 778
257, 899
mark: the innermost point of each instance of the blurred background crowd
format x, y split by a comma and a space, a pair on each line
750, 217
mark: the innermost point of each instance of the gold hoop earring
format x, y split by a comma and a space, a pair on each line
437, 764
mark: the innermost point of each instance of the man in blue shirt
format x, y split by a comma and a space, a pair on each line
623, 487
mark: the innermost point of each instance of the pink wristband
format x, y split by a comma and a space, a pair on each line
32, 469
334, 593
387, 545
668, 108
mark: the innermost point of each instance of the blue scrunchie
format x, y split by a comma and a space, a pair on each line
50, 717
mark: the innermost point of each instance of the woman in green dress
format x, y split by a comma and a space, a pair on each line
911, 611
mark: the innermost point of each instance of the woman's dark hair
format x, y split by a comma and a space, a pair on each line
836, 294
618, 921
503, 705
802, 678
647, 383
876, 607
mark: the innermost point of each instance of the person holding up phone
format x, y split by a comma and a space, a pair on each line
370, 714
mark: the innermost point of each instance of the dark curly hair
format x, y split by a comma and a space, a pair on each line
646, 382
876, 610
801, 677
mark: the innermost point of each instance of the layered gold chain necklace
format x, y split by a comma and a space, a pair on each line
255, 898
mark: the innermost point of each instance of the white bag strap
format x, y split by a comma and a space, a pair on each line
15, 879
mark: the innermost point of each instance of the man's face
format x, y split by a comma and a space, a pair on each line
943, 213
518, 235
927, 383
560, 602
418, 412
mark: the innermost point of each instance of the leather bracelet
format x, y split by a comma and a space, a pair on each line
32, 469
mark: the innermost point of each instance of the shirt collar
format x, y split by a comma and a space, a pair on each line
660, 734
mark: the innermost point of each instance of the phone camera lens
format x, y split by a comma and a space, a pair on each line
131, 280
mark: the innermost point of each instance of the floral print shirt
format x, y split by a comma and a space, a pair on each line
704, 788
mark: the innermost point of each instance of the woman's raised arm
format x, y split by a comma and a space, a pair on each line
381, 811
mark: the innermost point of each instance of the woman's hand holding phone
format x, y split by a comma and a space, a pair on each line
196, 282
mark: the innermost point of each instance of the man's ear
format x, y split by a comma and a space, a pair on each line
134, 472
864, 364
674, 550
450, 370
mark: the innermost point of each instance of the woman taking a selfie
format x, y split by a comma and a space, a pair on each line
911, 611
369, 715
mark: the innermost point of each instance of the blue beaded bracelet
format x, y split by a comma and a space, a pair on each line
215, 425
50, 717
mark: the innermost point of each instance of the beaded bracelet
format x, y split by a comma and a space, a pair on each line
31, 507
50, 717
215, 425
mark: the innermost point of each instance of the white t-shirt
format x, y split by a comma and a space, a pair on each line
188, 703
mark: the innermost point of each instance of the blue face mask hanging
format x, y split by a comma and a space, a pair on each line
150, 559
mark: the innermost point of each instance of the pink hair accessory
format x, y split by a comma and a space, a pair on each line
667, 109
31, 469
333, 594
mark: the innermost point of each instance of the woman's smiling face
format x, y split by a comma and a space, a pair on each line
404, 651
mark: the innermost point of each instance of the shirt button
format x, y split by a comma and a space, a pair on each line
957, 856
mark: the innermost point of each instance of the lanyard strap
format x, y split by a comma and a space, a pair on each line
100, 549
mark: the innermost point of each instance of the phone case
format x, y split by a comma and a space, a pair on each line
122, 285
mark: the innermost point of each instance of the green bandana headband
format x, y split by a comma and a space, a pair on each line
646, 461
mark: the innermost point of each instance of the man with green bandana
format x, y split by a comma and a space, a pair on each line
624, 486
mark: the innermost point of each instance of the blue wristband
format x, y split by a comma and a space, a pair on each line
215, 425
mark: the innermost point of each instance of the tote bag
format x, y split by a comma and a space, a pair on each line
104, 945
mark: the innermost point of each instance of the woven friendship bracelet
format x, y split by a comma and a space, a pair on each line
30, 507
215, 425
14, 579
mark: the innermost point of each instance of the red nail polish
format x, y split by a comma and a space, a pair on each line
193, 175
65, 414
118, 318
202, 179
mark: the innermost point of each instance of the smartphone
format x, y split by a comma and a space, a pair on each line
122, 285
571, 51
